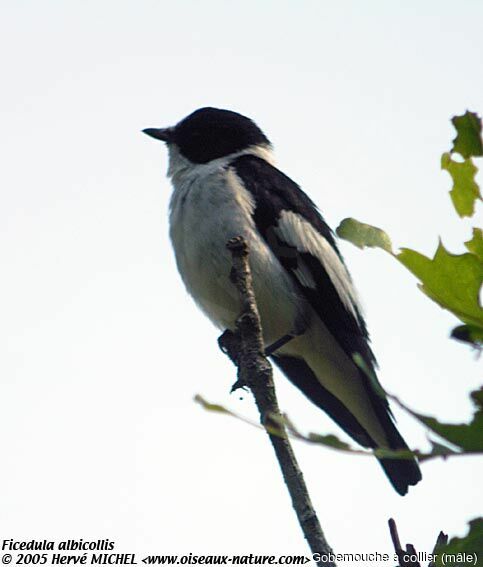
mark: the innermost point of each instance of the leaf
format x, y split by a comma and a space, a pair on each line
475, 245
452, 281
362, 235
469, 545
468, 135
466, 436
211, 407
468, 334
465, 190
403, 454
217, 408
331, 441
280, 422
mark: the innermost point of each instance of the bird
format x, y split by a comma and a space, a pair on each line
225, 184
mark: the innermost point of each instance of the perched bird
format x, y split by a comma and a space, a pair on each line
225, 184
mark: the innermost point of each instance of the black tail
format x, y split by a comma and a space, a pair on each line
402, 473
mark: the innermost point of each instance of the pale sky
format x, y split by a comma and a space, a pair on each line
104, 349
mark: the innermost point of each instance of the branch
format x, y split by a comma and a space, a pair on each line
246, 349
409, 557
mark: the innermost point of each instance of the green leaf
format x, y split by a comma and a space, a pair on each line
465, 190
475, 245
362, 235
458, 550
330, 441
468, 334
452, 281
208, 406
466, 436
403, 454
468, 135
333, 442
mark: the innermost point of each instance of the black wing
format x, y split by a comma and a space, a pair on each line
275, 193
320, 273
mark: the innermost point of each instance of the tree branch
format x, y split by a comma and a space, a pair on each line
409, 557
246, 349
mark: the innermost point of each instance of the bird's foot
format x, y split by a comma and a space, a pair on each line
239, 385
229, 344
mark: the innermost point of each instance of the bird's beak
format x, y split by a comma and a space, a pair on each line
163, 134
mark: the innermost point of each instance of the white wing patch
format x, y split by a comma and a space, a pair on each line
298, 232
305, 277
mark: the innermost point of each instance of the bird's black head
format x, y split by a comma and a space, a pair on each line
211, 133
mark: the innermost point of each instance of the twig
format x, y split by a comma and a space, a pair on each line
397, 545
246, 349
409, 556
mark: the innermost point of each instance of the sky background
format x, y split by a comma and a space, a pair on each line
103, 348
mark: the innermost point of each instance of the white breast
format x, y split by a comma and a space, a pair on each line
208, 207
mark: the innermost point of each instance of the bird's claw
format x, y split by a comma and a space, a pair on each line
239, 385
228, 343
